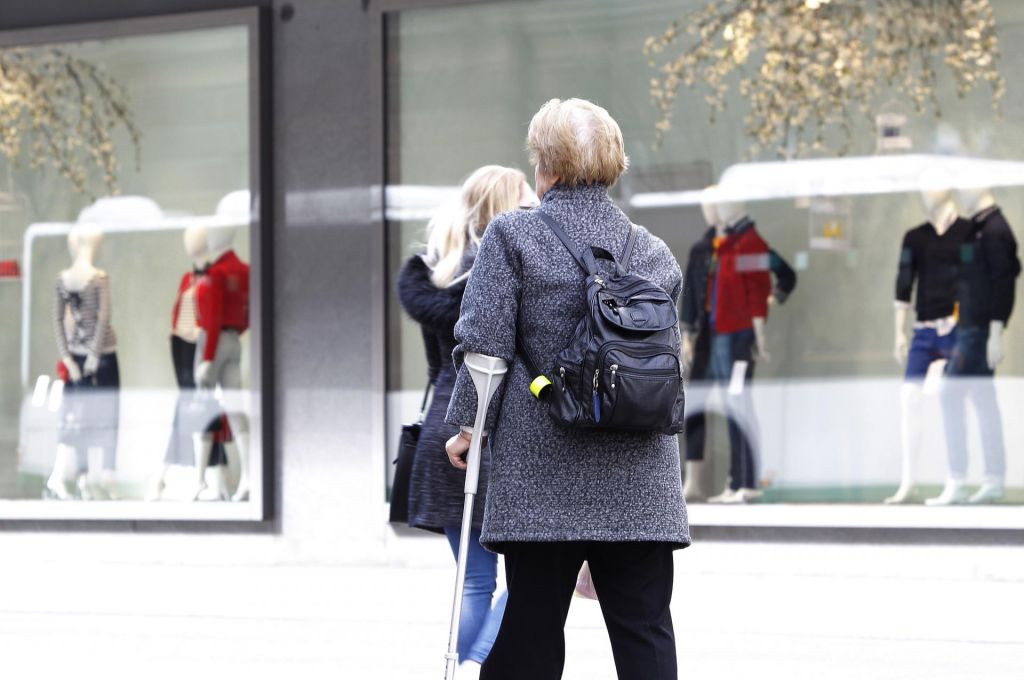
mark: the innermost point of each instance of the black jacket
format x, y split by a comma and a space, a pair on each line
988, 270
435, 486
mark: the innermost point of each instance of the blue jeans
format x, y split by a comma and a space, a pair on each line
969, 377
480, 623
726, 349
925, 347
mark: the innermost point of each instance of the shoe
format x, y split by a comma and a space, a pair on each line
954, 493
901, 496
56, 489
724, 497
988, 493
745, 496
469, 670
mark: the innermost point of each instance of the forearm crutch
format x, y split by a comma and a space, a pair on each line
487, 373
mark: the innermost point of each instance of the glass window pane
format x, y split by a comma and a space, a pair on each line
826, 414
125, 273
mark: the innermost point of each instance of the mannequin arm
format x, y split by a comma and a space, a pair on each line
74, 373
994, 348
762, 353
900, 339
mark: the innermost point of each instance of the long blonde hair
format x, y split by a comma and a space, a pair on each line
490, 190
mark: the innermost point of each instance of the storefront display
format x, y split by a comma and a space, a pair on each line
832, 419
94, 407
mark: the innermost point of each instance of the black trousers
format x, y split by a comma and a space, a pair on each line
634, 585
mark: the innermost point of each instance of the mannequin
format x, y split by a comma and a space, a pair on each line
987, 278
222, 304
199, 434
87, 345
726, 300
929, 258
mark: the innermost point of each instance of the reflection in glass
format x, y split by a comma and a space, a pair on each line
130, 370
831, 417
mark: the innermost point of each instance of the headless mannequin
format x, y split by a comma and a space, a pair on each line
941, 211
973, 201
83, 244
214, 243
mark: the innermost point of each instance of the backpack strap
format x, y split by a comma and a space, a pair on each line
634, 232
585, 259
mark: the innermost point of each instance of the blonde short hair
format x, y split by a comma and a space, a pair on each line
578, 142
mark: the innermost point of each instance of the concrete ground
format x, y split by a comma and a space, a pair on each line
761, 611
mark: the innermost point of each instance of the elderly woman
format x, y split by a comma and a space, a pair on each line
560, 496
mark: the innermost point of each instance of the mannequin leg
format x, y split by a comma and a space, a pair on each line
990, 421
57, 482
954, 420
156, 493
720, 370
911, 431
201, 445
695, 437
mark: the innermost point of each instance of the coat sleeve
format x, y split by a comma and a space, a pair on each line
689, 313
907, 271
423, 301
433, 353
489, 319
1000, 249
785, 277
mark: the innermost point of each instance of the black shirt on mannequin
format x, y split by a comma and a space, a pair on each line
933, 262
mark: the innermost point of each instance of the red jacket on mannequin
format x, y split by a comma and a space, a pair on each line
740, 288
222, 300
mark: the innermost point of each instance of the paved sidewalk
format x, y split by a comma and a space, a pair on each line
741, 611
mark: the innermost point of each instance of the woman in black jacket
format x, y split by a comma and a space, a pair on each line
430, 288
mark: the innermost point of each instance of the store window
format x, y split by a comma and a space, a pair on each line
869, 190
129, 271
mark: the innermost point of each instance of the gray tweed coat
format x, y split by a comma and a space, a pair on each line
547, 482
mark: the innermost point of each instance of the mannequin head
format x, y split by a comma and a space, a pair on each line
975, 199
196, 245
84, 240
936, 189
709, 205
219, 238
730, 212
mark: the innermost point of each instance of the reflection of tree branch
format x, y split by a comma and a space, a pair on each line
38, 85
814, 67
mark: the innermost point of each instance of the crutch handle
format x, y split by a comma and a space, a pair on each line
487, 373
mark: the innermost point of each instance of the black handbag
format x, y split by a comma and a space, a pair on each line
403, 465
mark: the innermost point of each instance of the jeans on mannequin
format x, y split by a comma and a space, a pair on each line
480, 622
726, 350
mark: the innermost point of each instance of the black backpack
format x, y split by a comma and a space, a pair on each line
622, 370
